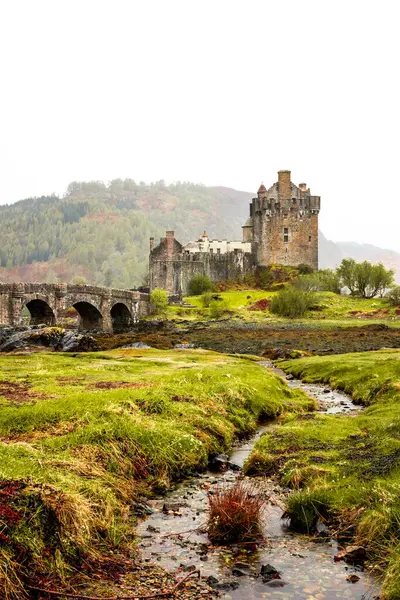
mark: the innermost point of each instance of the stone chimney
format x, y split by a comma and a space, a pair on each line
151, 244
284, 187
303, 187
170, 236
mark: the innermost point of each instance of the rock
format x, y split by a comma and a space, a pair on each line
143, 509
219, 463
137, 345
72, 341
173, 507
239, 572
224, 586
353, 578
233, 466
268, 573
185, 346
211, 581
327, 390
45, 336
352, 554
276, 584
153, 529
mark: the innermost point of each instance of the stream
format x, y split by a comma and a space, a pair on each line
170, 536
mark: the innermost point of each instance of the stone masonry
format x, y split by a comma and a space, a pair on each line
99, 308
282, 229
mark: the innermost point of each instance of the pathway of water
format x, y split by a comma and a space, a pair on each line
171, 537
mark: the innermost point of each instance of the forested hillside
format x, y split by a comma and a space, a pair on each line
100, 233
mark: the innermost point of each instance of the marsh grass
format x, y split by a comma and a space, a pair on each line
345, 469
76, 455
235, 513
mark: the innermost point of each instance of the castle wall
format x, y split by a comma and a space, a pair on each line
184, 266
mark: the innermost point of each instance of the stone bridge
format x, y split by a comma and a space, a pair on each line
99, 308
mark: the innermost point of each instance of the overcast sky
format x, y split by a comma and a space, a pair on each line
220, 92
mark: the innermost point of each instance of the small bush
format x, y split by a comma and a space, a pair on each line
292, 302
206, 299
305, 269
319, 281
199, 284
235, 514
394, 296
217, 309
159, 300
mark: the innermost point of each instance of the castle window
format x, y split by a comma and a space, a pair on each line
293, 200
285, 234
309, 238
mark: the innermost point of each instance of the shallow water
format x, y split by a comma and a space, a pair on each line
306, 565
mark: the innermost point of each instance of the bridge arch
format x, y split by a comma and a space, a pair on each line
40, 312
121, 316
90, 316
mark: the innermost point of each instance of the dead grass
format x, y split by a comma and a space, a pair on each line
235, 513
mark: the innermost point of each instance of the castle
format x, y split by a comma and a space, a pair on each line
282, 228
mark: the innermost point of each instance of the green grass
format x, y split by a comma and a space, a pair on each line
81, 437
345, 469
335, 310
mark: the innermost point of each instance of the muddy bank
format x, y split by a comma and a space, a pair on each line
251, 338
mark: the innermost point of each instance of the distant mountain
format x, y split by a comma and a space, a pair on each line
332, 253
100, 232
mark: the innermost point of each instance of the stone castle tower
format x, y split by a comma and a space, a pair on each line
283, 224
282, 229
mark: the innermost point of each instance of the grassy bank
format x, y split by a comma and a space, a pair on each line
345, 469
82, 437
333, 309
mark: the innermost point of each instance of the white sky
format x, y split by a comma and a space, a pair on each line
221, 92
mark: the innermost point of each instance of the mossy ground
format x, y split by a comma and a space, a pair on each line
82, 436
345, 469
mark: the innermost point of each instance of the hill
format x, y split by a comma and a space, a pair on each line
100, 232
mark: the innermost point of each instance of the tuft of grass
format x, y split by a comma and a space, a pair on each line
235, 513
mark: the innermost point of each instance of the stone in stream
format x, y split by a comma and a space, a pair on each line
214, 583
268, 573
143, 509
239, 572
173, 507
233, 466
354, 555
219, 463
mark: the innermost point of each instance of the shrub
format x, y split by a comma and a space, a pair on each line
304, 269
265, 279
235, 514
292, 302
199, 284
217, 308
159, 300
394, 296
319, 281
206, 299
